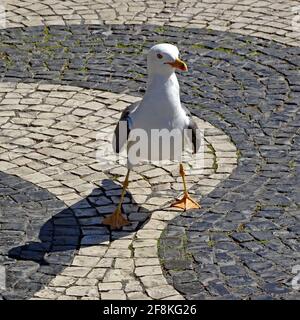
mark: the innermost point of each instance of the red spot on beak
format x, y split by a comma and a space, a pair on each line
178, 64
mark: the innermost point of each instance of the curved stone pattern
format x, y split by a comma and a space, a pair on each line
31, 215
267, 19
248, 229
57, 150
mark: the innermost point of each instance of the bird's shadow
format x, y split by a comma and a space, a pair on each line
72, 228
79, 225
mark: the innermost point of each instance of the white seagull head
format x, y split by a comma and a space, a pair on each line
163, 59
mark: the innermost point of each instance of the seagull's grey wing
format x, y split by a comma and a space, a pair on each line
123, 127
194, 135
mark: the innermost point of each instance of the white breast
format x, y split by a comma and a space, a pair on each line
161, 106
160, 109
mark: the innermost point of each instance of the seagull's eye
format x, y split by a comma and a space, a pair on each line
159, 56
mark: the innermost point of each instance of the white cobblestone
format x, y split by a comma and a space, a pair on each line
261, 18
130, 261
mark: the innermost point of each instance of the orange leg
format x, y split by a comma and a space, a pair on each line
186, 202
117, 220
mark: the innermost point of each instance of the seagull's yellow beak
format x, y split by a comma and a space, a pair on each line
178, 64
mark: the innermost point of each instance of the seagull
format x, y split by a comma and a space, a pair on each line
161, 109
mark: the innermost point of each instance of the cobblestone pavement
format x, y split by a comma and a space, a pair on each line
267, 19
49, 137
54, 98
30, 207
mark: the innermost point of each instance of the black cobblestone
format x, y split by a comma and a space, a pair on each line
19, 226
246, 86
